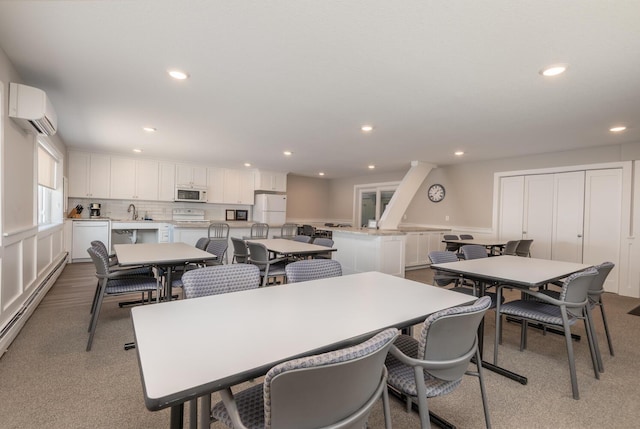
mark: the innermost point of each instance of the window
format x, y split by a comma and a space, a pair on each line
372, 201
49, 184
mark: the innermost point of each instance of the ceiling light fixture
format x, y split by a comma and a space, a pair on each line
177, 74
150, 129
247, 164
371, 167
321, 173
553, 70
137, 150
458, 153
366, 128
288, 153
617, 129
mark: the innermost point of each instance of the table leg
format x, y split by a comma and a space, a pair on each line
205, 411
177, 416
168, 286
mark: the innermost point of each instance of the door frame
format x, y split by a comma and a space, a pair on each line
369, 187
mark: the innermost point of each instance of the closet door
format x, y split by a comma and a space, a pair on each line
511, 208
603, 220
538, 213
568, 217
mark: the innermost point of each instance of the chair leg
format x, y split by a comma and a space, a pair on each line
483, 390
423, 407
606, 326
95, 298
498, 339
385, 407
594, 349
94, 317
570, 357
524, 325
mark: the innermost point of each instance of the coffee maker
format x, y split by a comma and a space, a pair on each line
95, 210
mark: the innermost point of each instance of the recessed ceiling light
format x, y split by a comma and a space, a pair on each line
321, 173
617, 129
288, 153
366, 128
247, 164
137, 150
553, 70
150, 129
458, 153
177, 74
371, 167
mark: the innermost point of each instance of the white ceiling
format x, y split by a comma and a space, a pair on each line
267, 76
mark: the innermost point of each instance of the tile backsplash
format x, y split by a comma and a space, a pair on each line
156, 210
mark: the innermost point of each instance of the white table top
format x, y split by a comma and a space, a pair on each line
292, 247
189, 348
159, 254
516, 270
480, 241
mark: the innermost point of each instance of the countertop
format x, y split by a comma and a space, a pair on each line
381, 232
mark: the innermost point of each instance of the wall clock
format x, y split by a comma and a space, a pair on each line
436, 193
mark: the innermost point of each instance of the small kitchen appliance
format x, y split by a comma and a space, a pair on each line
94, 210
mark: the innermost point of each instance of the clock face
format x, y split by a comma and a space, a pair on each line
436, 193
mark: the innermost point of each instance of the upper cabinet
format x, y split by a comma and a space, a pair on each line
230, 186
134, 179
270, 181
191, 175
215, 183
167, 182
89, 175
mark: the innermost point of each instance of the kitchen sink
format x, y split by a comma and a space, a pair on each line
134, 224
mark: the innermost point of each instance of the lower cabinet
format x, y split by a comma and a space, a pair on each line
419, 244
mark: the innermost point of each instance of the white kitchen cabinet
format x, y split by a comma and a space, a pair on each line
191, 175
83, 233
89, 175
134, 179
188, 235
166, 181
238, 186
419, 244
215, 183
270, 181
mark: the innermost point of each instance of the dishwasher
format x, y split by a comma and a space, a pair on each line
84, 232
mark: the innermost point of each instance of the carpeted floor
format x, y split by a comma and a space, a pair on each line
635, 311
47, 380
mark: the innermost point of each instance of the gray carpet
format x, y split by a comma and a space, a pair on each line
47, 380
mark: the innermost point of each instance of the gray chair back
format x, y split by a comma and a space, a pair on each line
220, 279
218, 247
259, 230
510, 247
323, 241
202, 243
302, 238
466, 237
288, 230
450, 335
441, 278
240, 251
258, 254
218, 230
113, 260
474, 251
327, 389
597, 286
451, 247
312, 269
575, 290
524, 248
308, 230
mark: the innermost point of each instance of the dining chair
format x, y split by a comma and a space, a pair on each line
442, 278
323, 241
466, 237
474, 251
288, 231
510, 247
435, 363
308, 230
218, 230
302, 238
524, 248
335, 390
269, 268
596, 289
312, 269
202, 243
220, 279
218, 247
240, 251
571, 305
115, 284
259, 230
451, 247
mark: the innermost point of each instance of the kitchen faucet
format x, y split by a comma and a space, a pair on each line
134, 215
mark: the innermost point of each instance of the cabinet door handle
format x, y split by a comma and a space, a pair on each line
579, 235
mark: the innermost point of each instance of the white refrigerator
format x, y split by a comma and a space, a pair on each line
270, 209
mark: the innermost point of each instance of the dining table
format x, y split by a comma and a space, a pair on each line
493, 245
198, 352
166, 256
517, 272
288, 248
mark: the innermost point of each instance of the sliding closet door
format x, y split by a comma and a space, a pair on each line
511, 208
602, 220
568, 217
538, 213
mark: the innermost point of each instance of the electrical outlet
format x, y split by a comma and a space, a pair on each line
446, 218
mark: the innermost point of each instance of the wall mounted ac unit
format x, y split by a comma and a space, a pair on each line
31, 108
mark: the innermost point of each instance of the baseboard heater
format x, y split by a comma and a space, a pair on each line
26, 308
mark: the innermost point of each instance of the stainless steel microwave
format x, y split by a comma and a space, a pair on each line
193, 195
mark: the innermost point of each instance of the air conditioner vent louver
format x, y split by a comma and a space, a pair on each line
31, 108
